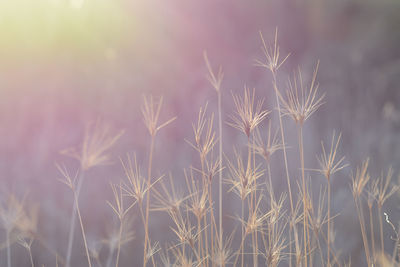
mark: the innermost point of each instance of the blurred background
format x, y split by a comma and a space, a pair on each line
64, 63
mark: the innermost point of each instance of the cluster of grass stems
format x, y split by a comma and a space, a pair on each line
273, 229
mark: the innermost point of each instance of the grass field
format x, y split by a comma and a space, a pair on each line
199, 140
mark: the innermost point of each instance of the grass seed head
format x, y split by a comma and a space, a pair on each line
272, 59
301, 102
360, 179
136, 185
384, 188
248, 116
242, 180
151, 113
198, 198
98, 139
329, 164
204, 134
215, 80
266, 149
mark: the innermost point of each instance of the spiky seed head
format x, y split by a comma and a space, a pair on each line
266, 149
248, 116
204, 133
242, 180
384, 188
360, 179
98, 139
215, 80
151, 112
272, 59
300, 103
136, 186
329, 164
11, 212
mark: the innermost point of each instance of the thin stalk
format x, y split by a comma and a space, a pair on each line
371, 228
240, 249
301, 149
220, 160
97, 261
206, 239
110, 255
362, 226
146, 226
44, 244
205, 186
329, 223
270, 183
254, 235
252, 200
82, 229
243, 237
282, 138
73, 220
320, 250
200, 243
8, 248
30, 257
119, 243
271, 235
381, 227
152, 260
313, 241
335, 259
290, 245
396, 247
212, 219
